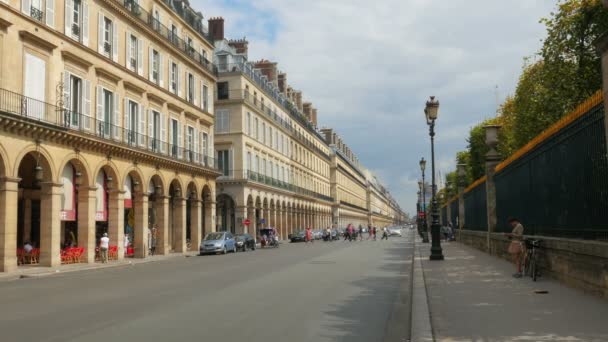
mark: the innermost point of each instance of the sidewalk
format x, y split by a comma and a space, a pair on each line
473, 297
36, 271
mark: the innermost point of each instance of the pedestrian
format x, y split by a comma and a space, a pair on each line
308, 235
153, 241
126, 244
369, 231
360, 233
450, 232
374, 233
104, 244
384, 233
516, 247
149, 241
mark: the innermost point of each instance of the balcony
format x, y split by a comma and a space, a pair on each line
64, 119
192, 19
244, 95
148, 19
36, 14
263, 179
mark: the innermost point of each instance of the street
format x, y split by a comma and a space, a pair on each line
327, 291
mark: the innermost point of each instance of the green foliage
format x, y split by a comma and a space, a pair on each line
566, 72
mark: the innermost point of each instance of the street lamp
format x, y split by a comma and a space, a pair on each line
425, 231
431, 111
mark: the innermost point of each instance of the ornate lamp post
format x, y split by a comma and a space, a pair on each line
430, 111
424, 232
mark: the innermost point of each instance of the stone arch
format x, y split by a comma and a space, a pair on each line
80, 163
110, 168
4, 161
41, 155
156, 180
226, 212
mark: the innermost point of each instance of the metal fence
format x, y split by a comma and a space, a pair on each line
475, 209
454, 213
560, 187
444, 216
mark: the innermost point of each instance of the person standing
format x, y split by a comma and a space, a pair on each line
516, 247
369, 231
308, 235
360, 233
384, 233
153, 241
374, 230
104, 244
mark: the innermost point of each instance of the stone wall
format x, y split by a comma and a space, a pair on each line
577, 263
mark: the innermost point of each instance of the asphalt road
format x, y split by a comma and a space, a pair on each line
336, 291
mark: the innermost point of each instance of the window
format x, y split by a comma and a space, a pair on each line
223, 158
276, 139
256, 167
132, 62
190, 93
248, 123
155, 66
190, 143
255, 128
174, 78
173, 34
223, 92
76, 17
269, 136
107, 37
222, 61
263, 132
132, 122
222, 122
75, 100
205, 148
205, 98
248, 166
107, 117
156, 128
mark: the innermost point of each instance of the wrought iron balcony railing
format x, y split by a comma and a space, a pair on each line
36, 14
241, 94
261, 178
62, 118
149, 20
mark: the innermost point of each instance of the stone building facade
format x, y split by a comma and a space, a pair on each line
106, 126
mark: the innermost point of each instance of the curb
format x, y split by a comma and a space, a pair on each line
421, 328
57, 271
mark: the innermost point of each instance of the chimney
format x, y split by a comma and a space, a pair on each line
328, 133
282, 83
240, 45
307, 110
299, 100
313, 117
216, 28
268, 69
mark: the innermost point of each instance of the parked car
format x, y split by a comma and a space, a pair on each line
298, 237
218, 242
394, 231
244, 242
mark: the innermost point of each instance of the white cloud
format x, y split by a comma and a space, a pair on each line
369, 66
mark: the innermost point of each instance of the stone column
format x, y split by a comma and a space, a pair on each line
86, 222
196, 224
461, 184
492, 159
116, 221
241, 215
9, 197
179, 225
210, 216
140, 230
161, 205
50, 224
27, 219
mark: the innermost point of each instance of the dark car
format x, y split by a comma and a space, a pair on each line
244, 242
299, 236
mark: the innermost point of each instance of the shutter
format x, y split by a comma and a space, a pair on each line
100, 116
26, 7
127, 120
116, 122
85, 22
160, 70
128, 52
180, 142
179, 81
86, 117
66, 89
100, 34
140, 57
50, 13
150, 64
163, 133
141, 133
202, 103
151, 129
170, 143
196, 159
194, 90
170, 75
114, 41
69, 9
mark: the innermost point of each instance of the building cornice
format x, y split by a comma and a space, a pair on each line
74, 58
34, 39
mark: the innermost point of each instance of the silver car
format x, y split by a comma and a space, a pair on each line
218, 242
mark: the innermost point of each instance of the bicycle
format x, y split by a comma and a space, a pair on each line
531, 258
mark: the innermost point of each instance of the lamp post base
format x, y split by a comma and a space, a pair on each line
436, 253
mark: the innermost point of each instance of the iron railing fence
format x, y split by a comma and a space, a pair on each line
560, 188
444, 216
454, 214
270, 90
244, 95
61, 118
191, 19
148, 19
37, 14
261, 178
475, 209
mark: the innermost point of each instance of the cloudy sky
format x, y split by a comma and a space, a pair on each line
369, 67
